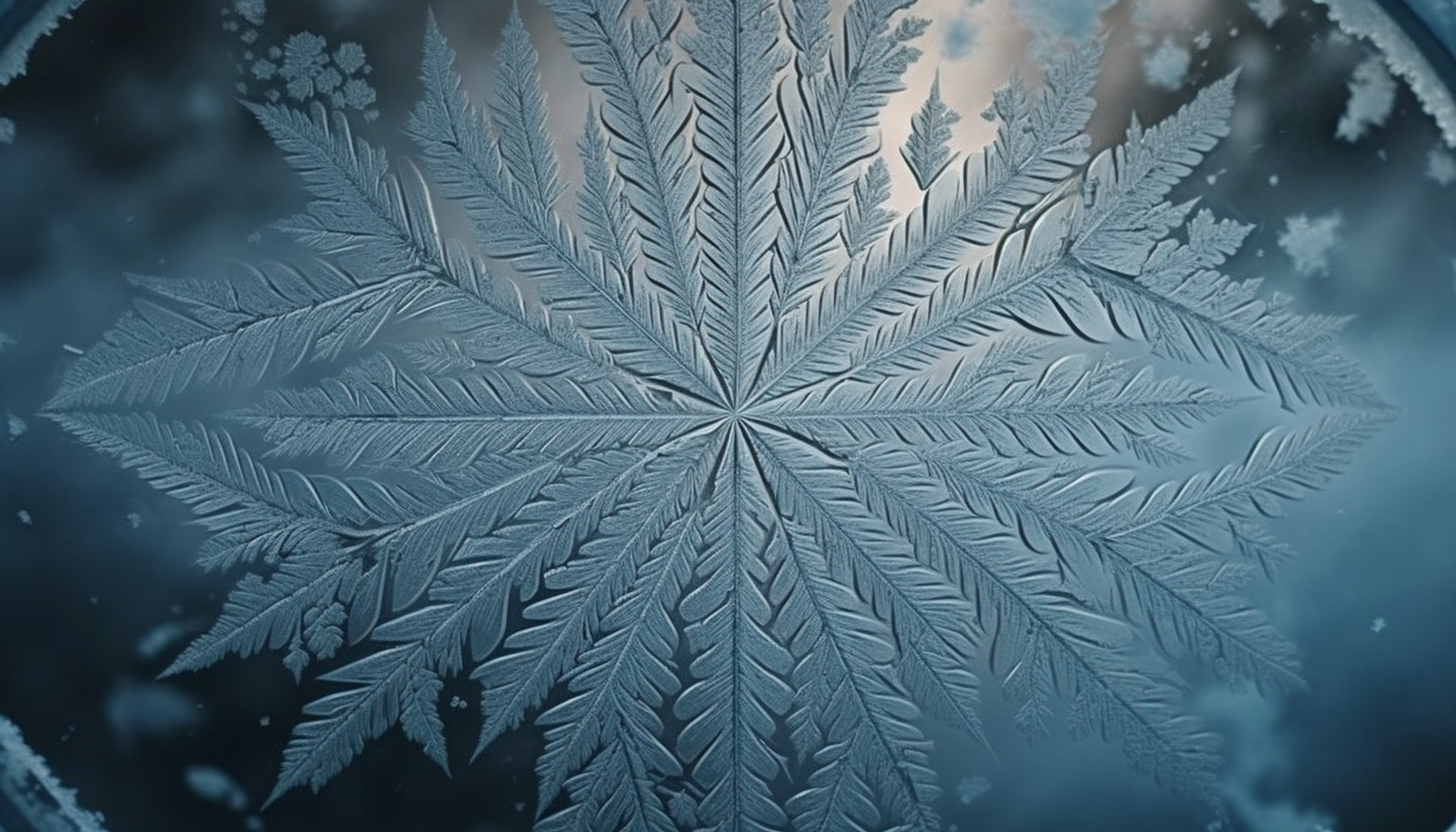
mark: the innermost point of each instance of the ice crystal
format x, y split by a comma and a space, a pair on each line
1309, 242
971, 789
1441, 167
1167, 66
304, 68
31, 794
1372, 100
959, 38
253, 11
715, 467
15, 426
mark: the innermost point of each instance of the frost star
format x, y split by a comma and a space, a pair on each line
758, 472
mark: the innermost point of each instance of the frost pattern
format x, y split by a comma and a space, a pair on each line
1309, 242
1372, 100
757, 470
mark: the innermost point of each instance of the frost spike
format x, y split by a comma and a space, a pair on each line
926, 151
736, 53
518, 111
648, 126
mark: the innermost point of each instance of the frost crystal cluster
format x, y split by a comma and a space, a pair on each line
727, 476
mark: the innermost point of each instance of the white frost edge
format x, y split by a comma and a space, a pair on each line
42, 23
20, 767
1363, 18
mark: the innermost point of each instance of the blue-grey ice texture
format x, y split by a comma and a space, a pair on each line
740, 468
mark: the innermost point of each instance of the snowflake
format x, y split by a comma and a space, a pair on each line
959, 38
1372, 100
255, 12
1309, 242
350, 58
1167, 66
730, 474
971, 789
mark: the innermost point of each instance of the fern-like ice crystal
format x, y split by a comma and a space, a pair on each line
712, 464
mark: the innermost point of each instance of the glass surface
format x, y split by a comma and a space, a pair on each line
128, 151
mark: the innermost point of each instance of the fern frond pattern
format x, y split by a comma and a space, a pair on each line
724, 474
